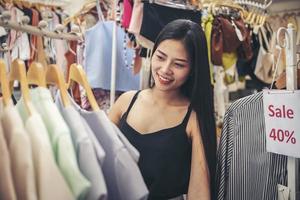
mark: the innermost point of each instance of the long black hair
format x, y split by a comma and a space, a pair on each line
197, 88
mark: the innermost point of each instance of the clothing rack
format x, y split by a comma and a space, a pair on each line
255, 4
172, 4
291, 83
114, 56
37, 31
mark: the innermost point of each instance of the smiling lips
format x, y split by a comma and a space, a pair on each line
163, 80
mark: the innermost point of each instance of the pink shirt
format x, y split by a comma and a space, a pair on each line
127, 13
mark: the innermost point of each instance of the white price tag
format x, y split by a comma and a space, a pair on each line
282, 119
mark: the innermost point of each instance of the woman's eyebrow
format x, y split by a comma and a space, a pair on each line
164, 54
177, 59
182, 60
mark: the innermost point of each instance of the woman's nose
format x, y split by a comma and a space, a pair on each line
166, 68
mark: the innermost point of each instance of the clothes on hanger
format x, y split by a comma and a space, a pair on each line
85, 152
49, 180
61, 141
155, 17
245, 170
7, 190
97, 63
120, 164
20, 152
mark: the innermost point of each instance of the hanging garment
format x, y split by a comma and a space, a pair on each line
72, 58
221, 95
102, 98
265, 63
18, 41
50, 182
61, 141
86, 155
245, 67
100, 153
136, 17
3, 32
245, 170
127, 12
119, 167
33, 38
19, 148
7, 190
207, 26
98, 57
165, 160
130, 148
155, 17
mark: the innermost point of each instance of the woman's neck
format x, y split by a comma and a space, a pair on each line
167, 98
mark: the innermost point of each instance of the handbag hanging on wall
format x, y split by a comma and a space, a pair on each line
230, 34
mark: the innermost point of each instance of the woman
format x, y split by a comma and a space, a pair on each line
172, 123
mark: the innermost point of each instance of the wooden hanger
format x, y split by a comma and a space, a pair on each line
4, 84
78, 75
18, 3
213, 6
18, 72
26, 4
250, 16
54, 76
36, 74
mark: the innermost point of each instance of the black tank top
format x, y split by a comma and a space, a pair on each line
165, 157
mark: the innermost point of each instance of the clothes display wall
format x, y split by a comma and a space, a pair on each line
65, 147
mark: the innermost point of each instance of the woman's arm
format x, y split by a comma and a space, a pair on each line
120, 106
199, 185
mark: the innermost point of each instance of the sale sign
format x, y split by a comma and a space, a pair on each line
282, 119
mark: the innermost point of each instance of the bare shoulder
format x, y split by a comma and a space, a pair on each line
126, 97
120, 106
193, 128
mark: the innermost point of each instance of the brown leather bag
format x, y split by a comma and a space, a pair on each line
229, 35
216, 42
245, 49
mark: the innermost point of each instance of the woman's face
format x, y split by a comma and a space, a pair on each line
170, 66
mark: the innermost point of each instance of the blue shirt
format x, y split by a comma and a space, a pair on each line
98, 57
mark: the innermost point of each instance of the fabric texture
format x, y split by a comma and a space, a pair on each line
18, 41
20, 151
136, 17
165, 160
245, 170
127, 12
49, 180
98, 58
86, 155
59, 134
118, 167
155, 17
7, 190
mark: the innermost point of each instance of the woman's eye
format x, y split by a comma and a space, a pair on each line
159, 57
179, 65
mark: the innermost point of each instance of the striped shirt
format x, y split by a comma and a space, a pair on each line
245, 170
